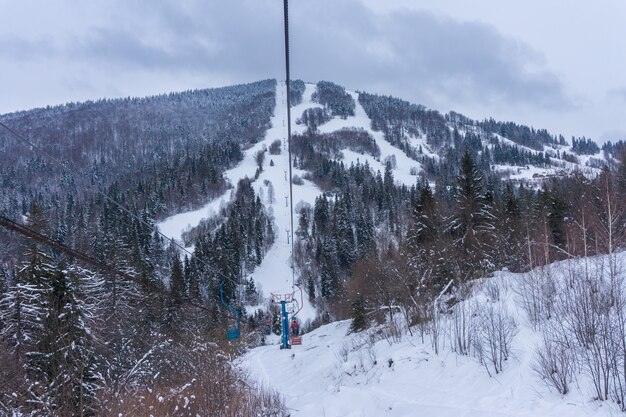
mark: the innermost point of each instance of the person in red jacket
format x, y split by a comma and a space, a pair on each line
295, 329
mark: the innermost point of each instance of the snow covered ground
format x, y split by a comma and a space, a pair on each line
370, 375
274, 275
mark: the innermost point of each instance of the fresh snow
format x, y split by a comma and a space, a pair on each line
274, 275
174, 226
334, 373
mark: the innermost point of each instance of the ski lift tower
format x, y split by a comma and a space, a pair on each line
288, 305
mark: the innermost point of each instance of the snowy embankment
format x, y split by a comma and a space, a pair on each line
380, 372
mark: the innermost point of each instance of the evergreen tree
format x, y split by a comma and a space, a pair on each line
250, 289
343, 235
358, 315
321, 215
425, 222
366, 243
66, 353
509, 236
303, 223
177, 279
472, 222
311, 288
329, 270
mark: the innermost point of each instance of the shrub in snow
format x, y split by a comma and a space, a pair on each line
494, 333
275, 147
536, 293
359, 318
554, 364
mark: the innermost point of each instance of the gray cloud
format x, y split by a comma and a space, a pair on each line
209, 37
617, 93
424, 57
20, 49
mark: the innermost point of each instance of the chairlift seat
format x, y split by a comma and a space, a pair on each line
295, 340
233, 334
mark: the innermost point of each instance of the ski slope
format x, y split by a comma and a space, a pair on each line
360, 120
367, 374
336, 374
274, 275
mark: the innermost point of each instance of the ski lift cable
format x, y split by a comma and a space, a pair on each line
66, 167
32, 234
287, 82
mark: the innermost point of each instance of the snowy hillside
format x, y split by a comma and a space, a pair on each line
386, 371
392, 204
274, 274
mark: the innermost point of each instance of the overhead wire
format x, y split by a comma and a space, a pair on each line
33, 234
86, 258
172, 241
287, 83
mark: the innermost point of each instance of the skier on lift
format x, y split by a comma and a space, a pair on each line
295, 329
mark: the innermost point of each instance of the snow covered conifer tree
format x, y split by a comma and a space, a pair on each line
343, 235
177, 279
472, 222
366, 242
66, 351
359, 318
329, 270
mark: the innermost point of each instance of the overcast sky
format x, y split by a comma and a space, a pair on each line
556, 64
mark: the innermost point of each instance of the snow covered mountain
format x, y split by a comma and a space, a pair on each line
479, 357
402, 215
411, 156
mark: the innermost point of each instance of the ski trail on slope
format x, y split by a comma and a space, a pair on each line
360, 120
274, 274
316, 379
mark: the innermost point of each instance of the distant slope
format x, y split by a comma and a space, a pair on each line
109, 140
